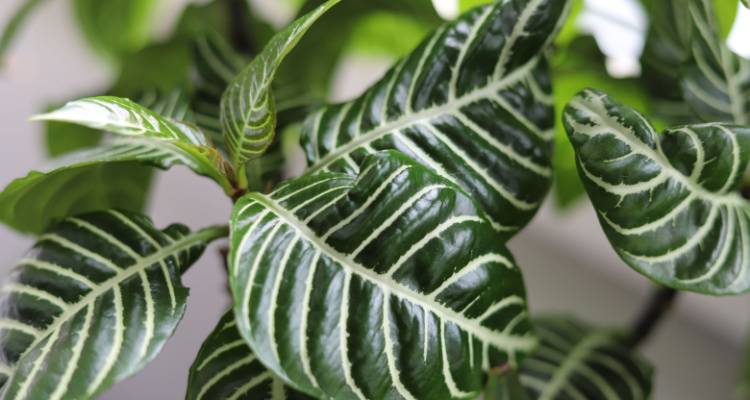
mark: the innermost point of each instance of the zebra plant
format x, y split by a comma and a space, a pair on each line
381, 271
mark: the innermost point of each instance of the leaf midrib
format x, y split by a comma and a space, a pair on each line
574, 358
409, 119
497, 339
141, 264
637, 147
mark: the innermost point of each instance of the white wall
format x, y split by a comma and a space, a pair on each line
568, 263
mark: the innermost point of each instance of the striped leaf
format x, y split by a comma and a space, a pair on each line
226, 368
92, 303
248, 111
389, 285
124, 117
575, 361
95, 179
216, 65
716, 81
668, 203
473, 103
85, 181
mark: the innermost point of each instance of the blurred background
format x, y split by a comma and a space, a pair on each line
568, 263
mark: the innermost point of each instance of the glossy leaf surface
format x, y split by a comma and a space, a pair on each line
92, 303
473, 103
388, 285
226, 368
124, 117
575, 67
575, 361
669, 203
248, 112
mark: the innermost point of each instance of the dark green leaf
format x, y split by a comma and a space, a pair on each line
226, 368
248, 111
668, 203
575, 361
667, 50
92, 303
716, 81
387, 285
468, 104
115, 27
13, 26
687, 62
216, 64
575, 67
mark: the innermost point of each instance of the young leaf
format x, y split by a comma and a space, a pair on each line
716, 81
468, 103
124, 117
88, 180
92, 303
668, 203
226, 368
388, 285
248, 112
216, 64
575, 361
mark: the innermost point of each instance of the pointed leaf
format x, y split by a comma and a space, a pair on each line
92, 303
716, 81
575, 361
226, 368
248, 112
668, 203
473, 103
389, 285
83, 181
124, 117
216, 65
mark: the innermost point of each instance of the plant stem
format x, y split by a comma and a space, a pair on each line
659, 304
